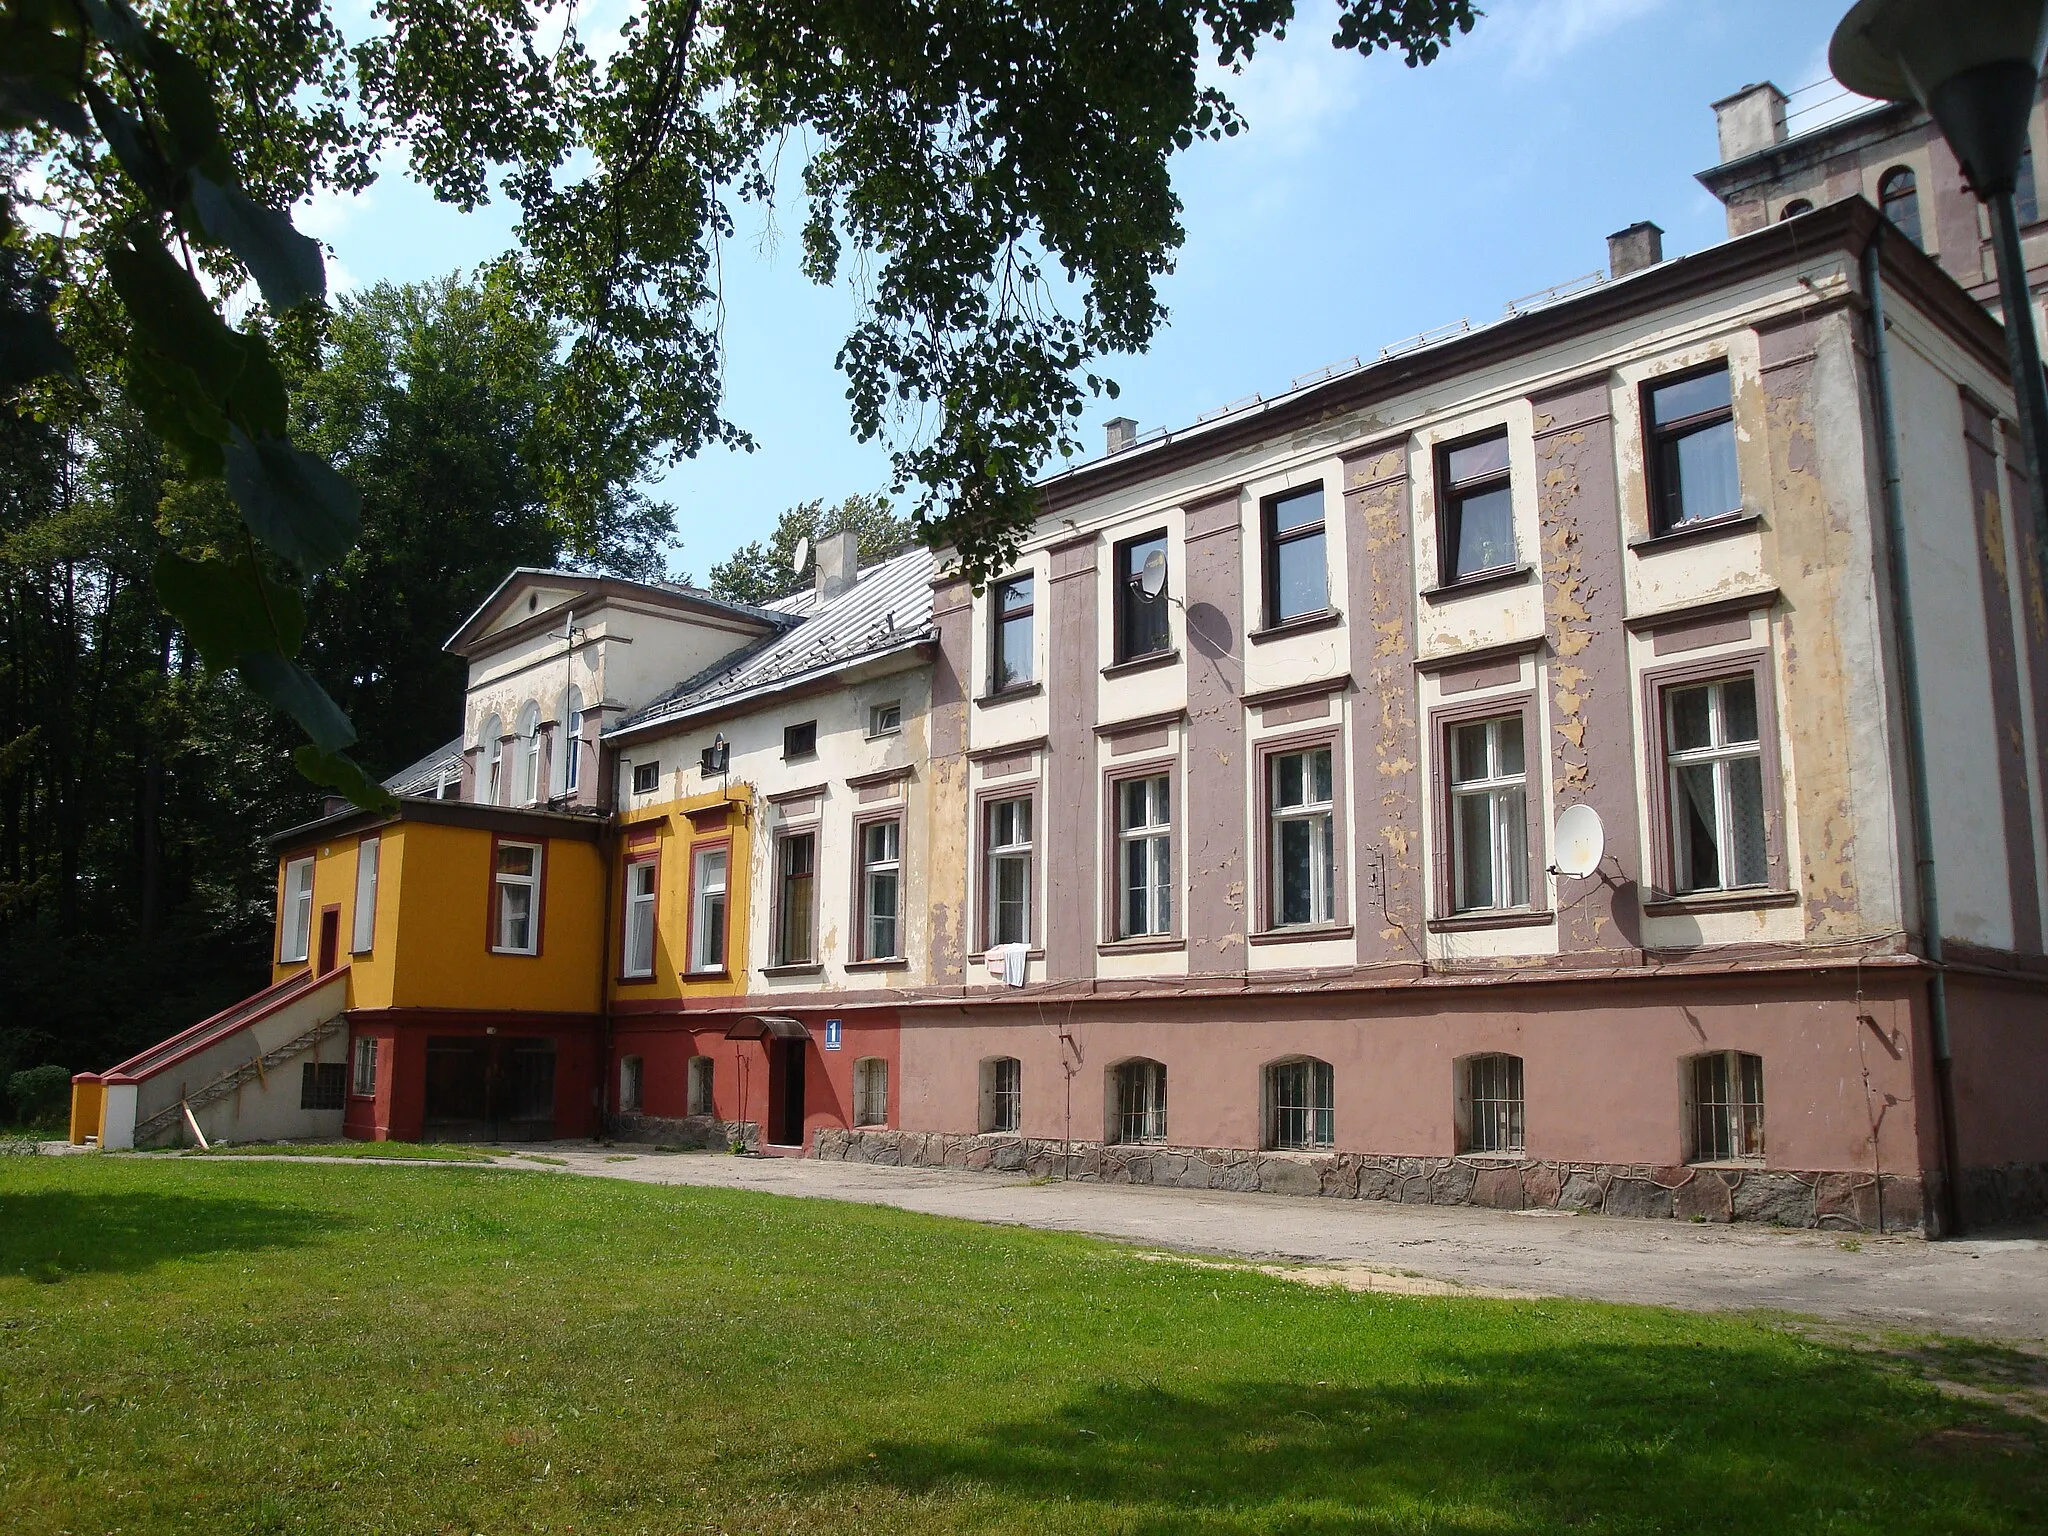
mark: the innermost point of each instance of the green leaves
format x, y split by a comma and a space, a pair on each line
227, 609
293, 501
287, 265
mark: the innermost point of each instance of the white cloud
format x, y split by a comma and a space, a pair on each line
1539, 34
1292, 89
327, 213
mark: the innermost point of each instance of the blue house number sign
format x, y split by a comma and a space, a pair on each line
831, 1034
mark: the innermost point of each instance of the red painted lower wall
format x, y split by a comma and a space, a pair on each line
398, 1111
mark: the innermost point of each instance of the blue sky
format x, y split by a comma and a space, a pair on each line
1369, 202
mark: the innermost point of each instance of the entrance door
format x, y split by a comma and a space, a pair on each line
330, 939
786, 1093
489, 1088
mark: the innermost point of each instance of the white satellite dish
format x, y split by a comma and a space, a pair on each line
1580, 841
1152, 576
803, 556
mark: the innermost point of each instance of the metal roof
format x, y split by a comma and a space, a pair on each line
888, 608
599, 584
424, 777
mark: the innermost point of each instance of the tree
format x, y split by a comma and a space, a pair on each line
760, 573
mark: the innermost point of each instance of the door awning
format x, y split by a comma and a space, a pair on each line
768, 1026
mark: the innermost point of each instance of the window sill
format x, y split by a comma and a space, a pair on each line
1140, 946
1142, 663
1020, 691
1701, 528
1480, 922
1732, 1164
886, 963
1719, 901
516, 954
1327, 618
1307, 933
711, 973
802, 968
1483, 581
633, 981
801, 757
982, 958
1493, 1159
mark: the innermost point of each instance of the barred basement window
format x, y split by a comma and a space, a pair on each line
1727, 1092
1300, 1113
871, 1091
631, 1073
700, 1101
1140, 1102
1493, 1100
1002, 1093
322, 1084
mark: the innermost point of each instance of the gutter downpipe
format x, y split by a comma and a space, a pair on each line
1927, 886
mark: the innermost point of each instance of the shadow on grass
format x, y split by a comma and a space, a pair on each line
49, 1235
1658, 1438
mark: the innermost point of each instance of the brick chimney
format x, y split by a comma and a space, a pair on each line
1750, 120
838, 558
1632, 249
1122, 433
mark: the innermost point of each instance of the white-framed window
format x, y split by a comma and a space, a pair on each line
1727, 1093
1002, 1093
646, 778
295, 920
1011, 606
881, 885
796, 864
1138, 1111
569, 772
516, 893
885, 719
700, 1101
530, 743
1489, 815
364, 938
1301, 813
1714, 759
707, 914
871, 1091
492, 741
1493, 1103
632, 1071
1144, 843
1009, 871
638, 956
365, 1085
1300, 1104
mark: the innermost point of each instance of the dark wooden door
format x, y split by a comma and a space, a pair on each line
786, 1094
330, 940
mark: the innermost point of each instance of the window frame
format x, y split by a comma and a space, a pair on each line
800, 741
1516, 1078
633, 1073
1656, 682
862, 949
1917, 233
361, 942
1451, 495
1443, 720
1126, 601
490, 744
1323, 1132
699, 850
494, 926
364, 1055
302, 902
1271, 540
652, 768
866, 1113
876, 728
994, 1095
1115, 1116
1695, 1109
781, 960
1114, 778
1264, 751
532, 773
985, 801
647, 856
996, 622
315, 1078
708, 1095
1655, 436
571, 757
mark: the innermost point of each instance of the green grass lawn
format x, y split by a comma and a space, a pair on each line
194, 1345
430, 1151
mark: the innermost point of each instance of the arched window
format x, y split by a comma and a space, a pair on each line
1725, 1115
1299, 1111
570, 774
871, 1091
1490, 1103
630, 1072
1137, 1102
1793, 209
2026, 198
1898, 196
491, 743
701, 1102
1002, 1093
529, 754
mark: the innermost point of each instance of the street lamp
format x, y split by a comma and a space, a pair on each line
1973, 66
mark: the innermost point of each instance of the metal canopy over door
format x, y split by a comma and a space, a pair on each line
489, 1088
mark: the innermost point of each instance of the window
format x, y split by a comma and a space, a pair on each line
1138, 1112
295, 920
1476, 527
1714, 762
516, 881
637, 957
796, 856
1898, 198
492, 741
1297, 575
700, 1082
881, 863
800, 740
885, 719
1301, 812
1727, 1092
365, 934
1144, 861
1002, 1093
1489, 815
707, 912
1009, 871
1299, 1112
1010, 611
451, 786
646, 778
1141, 628
2026, 197
365, 1086
1493, 1104
1793, 209
631, 1072
322, 1084
572, 742
1692, 450
530, 743
871, 1091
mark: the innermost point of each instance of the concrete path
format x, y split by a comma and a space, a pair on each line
1993, 1286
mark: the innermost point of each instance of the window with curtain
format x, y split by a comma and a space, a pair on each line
638, 959
1144, 837
881, 868
1489, 815
1301, 813
1693, 472
1009, 871
1715, 788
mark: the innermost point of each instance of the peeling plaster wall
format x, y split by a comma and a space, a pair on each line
1218, 869
947, 816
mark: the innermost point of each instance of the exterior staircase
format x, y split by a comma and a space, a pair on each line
255, 1069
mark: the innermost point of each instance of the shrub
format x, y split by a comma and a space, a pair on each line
40, 1095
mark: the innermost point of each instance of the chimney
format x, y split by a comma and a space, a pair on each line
1122, 433
1632, 249
1750, 120
838, 558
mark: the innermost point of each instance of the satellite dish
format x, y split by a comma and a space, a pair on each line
1580, 841
1152, 576
803, 556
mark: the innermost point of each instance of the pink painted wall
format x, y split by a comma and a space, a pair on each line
1602, 1067
1998, 1037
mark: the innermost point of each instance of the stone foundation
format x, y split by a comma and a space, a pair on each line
703, 1131
2009, 1192
1844, 1202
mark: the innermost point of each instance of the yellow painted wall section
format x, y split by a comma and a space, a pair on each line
334, 885
88, 1108
677, 837
443, 953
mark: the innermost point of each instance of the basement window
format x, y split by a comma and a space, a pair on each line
1725, 1115
322, 1084
1490, 1106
